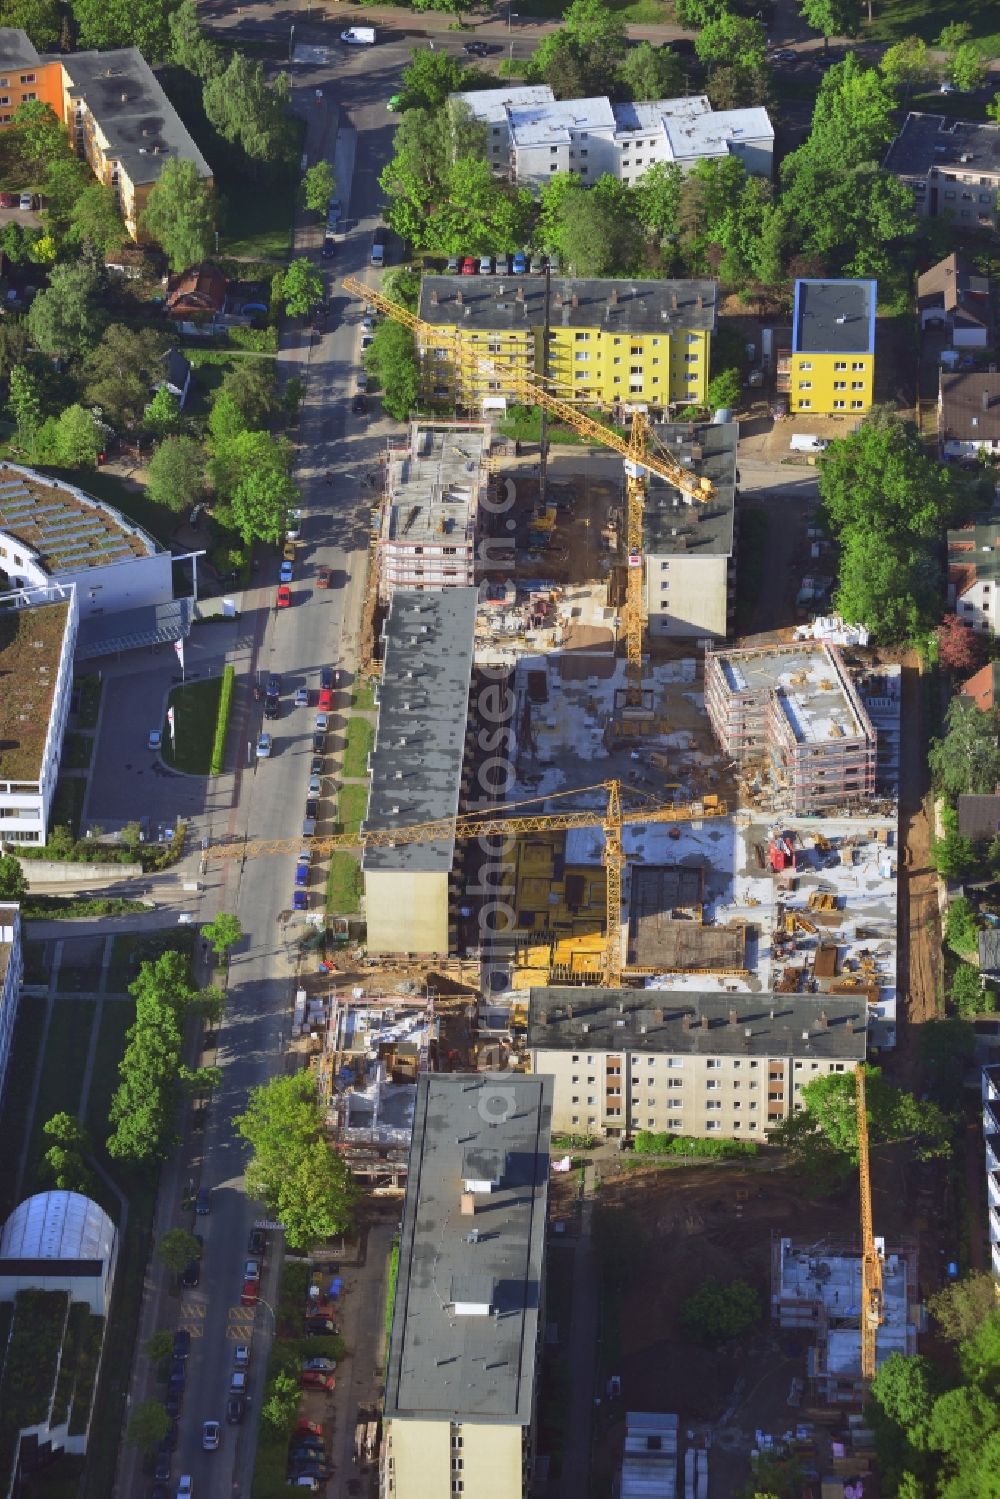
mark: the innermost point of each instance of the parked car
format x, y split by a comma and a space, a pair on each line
312, 1379
302, 697
470, 265
241, 1356
251, 1270
312, 807
486, 265
302, 875
367, 339
300, 900
319, 740
476, 49
25, 202
238, 1382
264, 747
191, 1274
316, 1427
285, 572
325, 700
154, 739
235, 1407
162, 1466
323, 578
502, 263
323, 1365
182, 1343
537, 266
322, 722
453, 266
518, 265
174, 1403
185, 1487
319, 1327
178, 1374
293, 525
284, 598
329, 249
359, 406
169, 1443
257, 1242
203, 1201
8, 200
288, 551
248, 1295
326, 676
211, 1434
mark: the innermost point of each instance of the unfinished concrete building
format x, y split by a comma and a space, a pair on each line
435, 481
793, 722
689, 545
816, 1288
416, 767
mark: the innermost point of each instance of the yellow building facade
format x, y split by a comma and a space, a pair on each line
610, 344
830, 370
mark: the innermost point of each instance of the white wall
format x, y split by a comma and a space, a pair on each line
694, 602
124, 585
406, 911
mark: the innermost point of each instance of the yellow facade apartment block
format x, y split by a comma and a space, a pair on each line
611, 343
831, 368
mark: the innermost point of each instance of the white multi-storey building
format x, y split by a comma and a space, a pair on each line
530, 135
37, 638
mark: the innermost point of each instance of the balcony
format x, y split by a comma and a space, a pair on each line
783, 371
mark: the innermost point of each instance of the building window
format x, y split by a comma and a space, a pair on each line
840, 364
840, 384
857, 405
858, 364
805, 364
839, 405
805, 385
805, 405
28, 78
712, 1124
857, 385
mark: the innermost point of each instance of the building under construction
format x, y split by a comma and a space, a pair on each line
793, 722
816, 1289
435, 482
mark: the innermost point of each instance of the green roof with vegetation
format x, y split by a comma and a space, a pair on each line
30, 1362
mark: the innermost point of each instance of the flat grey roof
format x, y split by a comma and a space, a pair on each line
142, 128
927, 141
814, 693
673, 523
422, 710
554, 122
490, 104
433, 484
834, 317
715, 133
16, 49
668, 1020
131, 629
646, 116
513, 302
471, 1368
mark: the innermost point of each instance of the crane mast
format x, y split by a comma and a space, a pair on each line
871, 1263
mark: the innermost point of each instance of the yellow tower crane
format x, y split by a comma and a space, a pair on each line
871, 1264
507, 821
636, 449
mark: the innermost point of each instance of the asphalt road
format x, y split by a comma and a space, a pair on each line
319, 629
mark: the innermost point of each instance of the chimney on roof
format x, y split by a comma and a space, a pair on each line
733, 1018
986, 400
519, 294
687, 1022
434, 296
543, 1017
613, 299
699, 301
468, 1201
673, 301
569, 1012
658, 1016
574, 300
821, 1020
458, 297
558, 299
704, 1022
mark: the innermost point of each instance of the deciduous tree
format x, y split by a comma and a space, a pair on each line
251, 387
177, 1248
13, 885
827, 1121
176, 474
25, 402
960, 1308
122, 372
733, 41
960, 649
648, 72
429, 77
900, 1403
318, 183
40, 138
967, 995
831, 18
260, 504
600, 233
967, 758
189, 47
65, 320
65, 1156
39, 18
392, 359
94, 219
223, 932
148, 1424
163, 414
968, 69
105, 24
249, 111
905, 64
78, 438
180, 213
302, 287
718, 1313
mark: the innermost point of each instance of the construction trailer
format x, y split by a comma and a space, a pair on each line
649, 1460
791, 719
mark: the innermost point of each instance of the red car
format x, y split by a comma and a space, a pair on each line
325, 700
312, 1379
315, 1427
323, 578
284, 597
470, 266
248, 1295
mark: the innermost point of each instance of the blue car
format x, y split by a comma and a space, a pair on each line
300, 900
301, 875
518, 264
285, 576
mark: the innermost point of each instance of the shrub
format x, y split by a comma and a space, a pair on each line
222, 722
960, 928
715, 1313
967, 993
647, 1143
255, 340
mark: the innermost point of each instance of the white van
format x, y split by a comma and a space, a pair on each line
359, 36
805, 442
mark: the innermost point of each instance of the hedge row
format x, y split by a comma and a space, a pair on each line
646, 1143
222, 722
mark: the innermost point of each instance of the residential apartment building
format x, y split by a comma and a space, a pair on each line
689, 545
118, 117
953, 167
974, 576
530, 135
435, 482
702, 1064
11, 978
611, 343
791, 717
990, 1085
37, 637
460, 1382
830, 368
968, 414
416, 766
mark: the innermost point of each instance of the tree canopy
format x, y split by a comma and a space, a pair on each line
292, 1168
249, 111
318, 183
180, 214
392, 359
13, 885
65, 320
716, 1313
176, 473
122, 371
967, 757
302, 286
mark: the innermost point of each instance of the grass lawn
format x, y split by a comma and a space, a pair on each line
67, 804
36, 962
895, 19
132, 948
61, 1079
89, 688
524, 424
750, 566
363, 697
196, 708
78, 978
77, 751
343, 885
352, 803
15, 1118
360, 738
211, 366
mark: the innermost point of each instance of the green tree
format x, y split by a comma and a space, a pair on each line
718, 1313
223, 933
724, 390
39, 137
303, 286
39, 18
953, 35
64, 320
292, 1168
733, 41
25, 403
599, 233
78, 438
189, 47
251, 386
697, 13
176, 474
968, 69
967, 758
900, 1403
960, 1308
210, 1003
905, 64
94, 219
960, 1423
657, 197
148, 1424
392, 359
281, 1402
198, 1081
66, 178
13, 885
65, 1157
318, 183
226, 419
260, 505
735, 86
827, 1121
852, 120
163, 414
177, 1248
180, 214
246, 454
831, 18
967, 994
561, 63
159, 1346
105, 24
648, 72
953, 855
979, 1353
249, 111
123, 370
961, 929
429, 77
